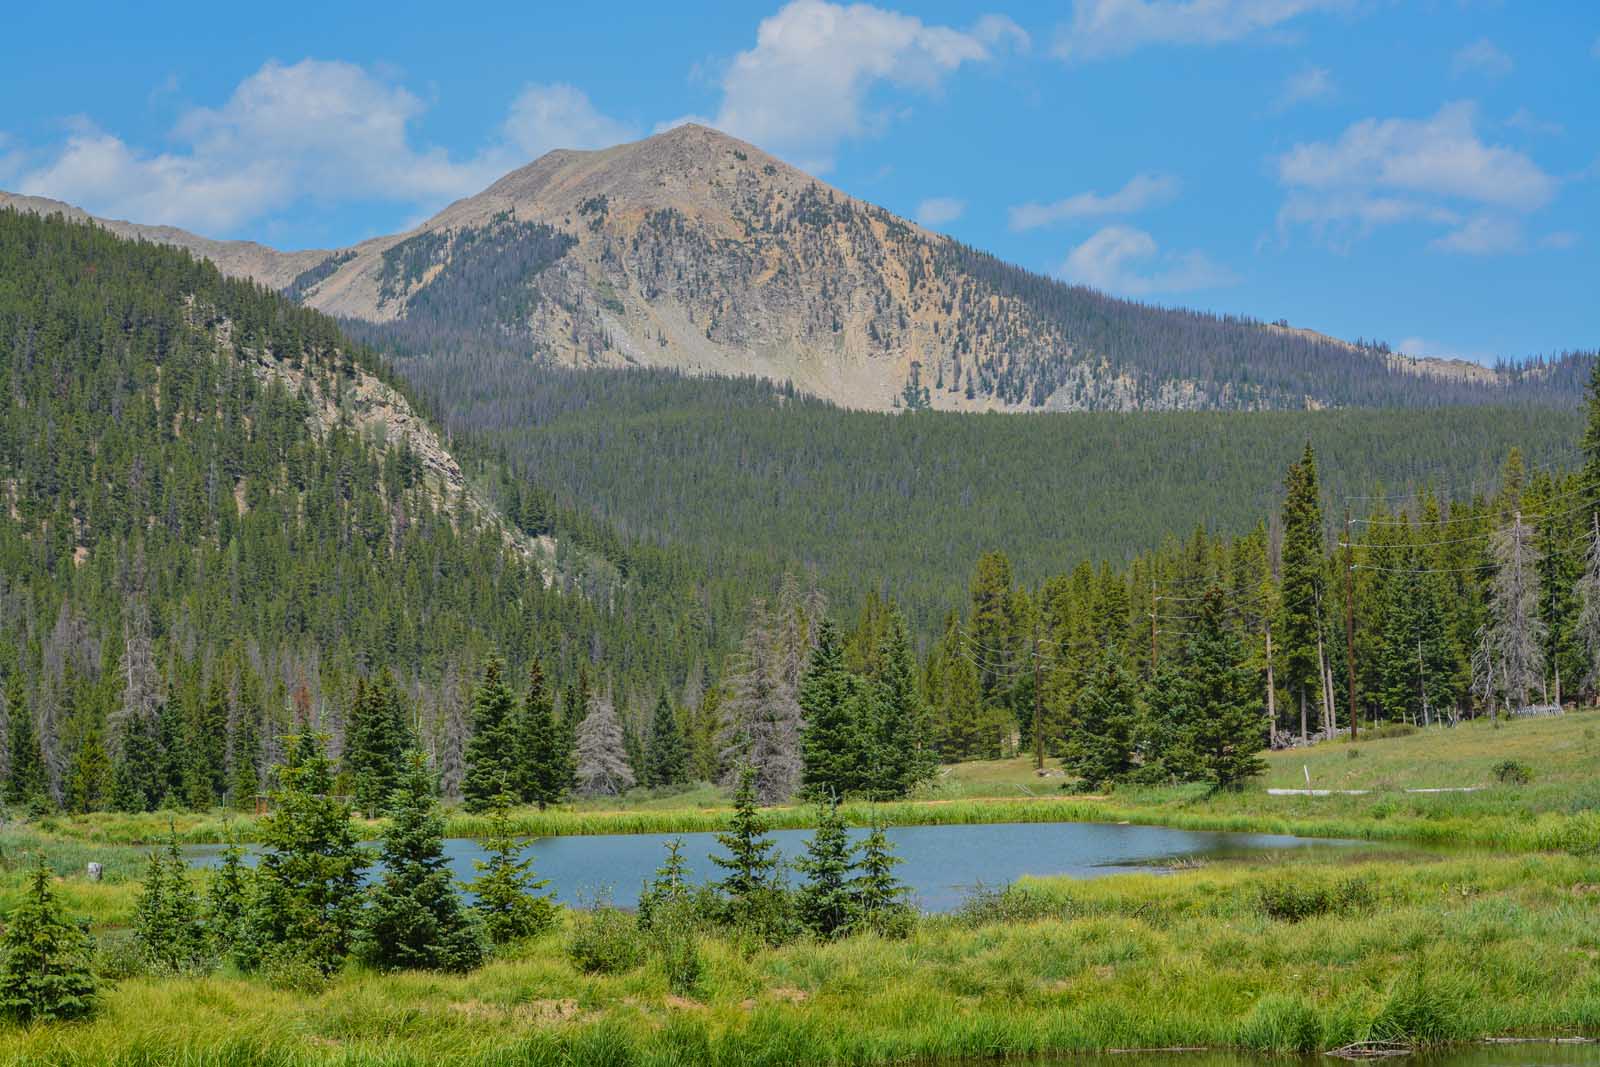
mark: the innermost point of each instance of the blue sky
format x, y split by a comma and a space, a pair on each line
1424, 172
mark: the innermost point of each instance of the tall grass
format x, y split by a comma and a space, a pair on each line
1447, 950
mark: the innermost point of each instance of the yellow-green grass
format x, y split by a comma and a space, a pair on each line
1559, 810
1450, 949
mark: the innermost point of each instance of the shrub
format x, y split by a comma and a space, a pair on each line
1512, 772
1291, 901
605, 941
1281, 1023
290, 969
675, 942
118, 955
1391, 729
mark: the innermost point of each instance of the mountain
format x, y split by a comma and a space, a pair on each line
213, 492
694, 251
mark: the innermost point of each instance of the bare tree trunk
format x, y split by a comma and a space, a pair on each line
1327, 689
1304, 736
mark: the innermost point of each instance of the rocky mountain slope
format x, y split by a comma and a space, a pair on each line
696, 251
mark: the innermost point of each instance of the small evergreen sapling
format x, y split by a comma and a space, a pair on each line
824, 903
508, 901
228, 900
878, 898
668, 889
44, 969
414, 919
167, 923
749, 890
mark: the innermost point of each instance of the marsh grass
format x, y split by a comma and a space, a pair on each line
1446, 949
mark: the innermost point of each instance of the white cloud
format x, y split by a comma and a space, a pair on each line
808, 82
1435, 170
1482, 235
1559, 239
1305, 86
1101, 28
939, 210
1128, 262
1526, 121
1423, 348
317, 130
1484, 57
545, 117
1142, 191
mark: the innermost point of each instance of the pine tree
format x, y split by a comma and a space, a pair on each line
751, 864
307, 901
228, 900
168, 926
825, 903
244, 746
834, 743
905, 746
28, 784
414, 919
1588, 624
1100, 738
492, 750
668, 888
1516, 632
544, 758
602, 755
136, 784
878, 898
507, 897
376, 740
666, 757
1301, 586
45, 971
89, 778
1220, 700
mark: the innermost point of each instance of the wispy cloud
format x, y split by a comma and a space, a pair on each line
1128, 262
1142, 191
1103, 28
1436, 170
1305, 86
940, 210
1483, 57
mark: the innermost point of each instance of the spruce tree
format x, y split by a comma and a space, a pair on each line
244, 746
136, 784
666, 757
1220, 700
544, 759
1301, 586
307, 899
668, 888
492, 751
825, 903
751, 863
878, 898
90, 775
168, 926
228, 900
45, 973
1100, 738
28, 784
506, 894
834, 743
376, 740
905, 746
414, 918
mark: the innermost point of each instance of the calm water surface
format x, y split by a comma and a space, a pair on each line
941, 864
1531, 1054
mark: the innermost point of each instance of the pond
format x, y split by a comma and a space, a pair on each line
941, 864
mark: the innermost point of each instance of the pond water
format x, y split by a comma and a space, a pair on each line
941, 864
1518, 1054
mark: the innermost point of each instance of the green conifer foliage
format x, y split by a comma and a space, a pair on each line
834, 743
28, 784
507, 896
1220, 700
544, 763
414, 918
1099, 745
228, 900
666, 756
376, 740
751, 863
45, 971
669, 887
492, 752
825, 903
878, 898
307, 902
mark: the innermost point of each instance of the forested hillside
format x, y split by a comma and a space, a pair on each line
218, 512
752, 479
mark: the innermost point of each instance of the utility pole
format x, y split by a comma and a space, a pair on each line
1350, 620
1153, 599
1038, 704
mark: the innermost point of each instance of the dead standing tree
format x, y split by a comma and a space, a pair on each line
1510, 656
